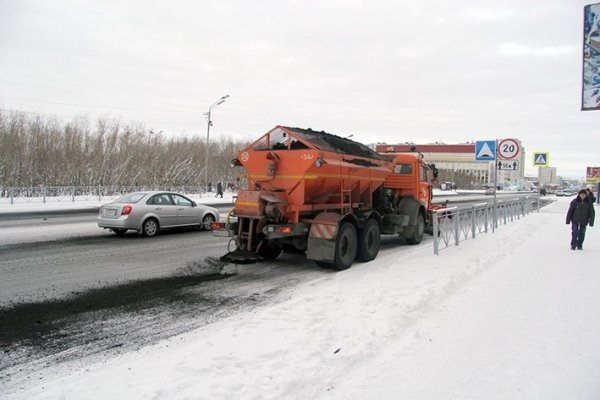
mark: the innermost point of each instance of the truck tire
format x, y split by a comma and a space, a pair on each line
345, 247
417, 236
269, 251
369, 239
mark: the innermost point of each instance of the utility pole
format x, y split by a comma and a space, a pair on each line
216, 103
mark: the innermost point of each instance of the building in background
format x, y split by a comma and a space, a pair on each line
547, 176
456, 163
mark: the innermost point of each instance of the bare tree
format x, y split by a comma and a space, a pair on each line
44, 151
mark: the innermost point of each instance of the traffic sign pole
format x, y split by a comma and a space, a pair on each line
495, 213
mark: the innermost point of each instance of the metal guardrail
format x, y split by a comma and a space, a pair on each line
54, 194
453, 225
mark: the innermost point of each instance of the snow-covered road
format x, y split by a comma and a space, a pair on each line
510, 315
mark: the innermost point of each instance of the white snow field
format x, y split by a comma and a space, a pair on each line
509, 315
66, 203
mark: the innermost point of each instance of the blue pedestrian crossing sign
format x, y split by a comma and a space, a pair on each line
540, 159
485, 150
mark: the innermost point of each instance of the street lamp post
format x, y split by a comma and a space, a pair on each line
216, 103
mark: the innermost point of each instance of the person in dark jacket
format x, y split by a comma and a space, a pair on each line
580, 214
219, 189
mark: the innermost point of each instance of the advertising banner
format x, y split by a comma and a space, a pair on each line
590, 96
592, 175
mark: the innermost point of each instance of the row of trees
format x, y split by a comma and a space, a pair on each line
37, 150
462, 180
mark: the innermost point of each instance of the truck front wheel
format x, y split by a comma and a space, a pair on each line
369, 240
417, 236
345, 247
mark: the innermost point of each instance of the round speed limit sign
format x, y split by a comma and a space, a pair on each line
508, 149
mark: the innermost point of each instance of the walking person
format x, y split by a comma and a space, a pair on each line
219, 189
580, 214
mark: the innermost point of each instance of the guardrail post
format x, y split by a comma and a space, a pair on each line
520, 209
456, 227
485, 218
436, 234
473, 222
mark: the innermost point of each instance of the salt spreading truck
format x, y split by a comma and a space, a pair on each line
325, 195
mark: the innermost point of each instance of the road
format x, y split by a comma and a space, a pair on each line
46, 256
70, 290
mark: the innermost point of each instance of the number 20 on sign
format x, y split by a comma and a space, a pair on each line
508, 149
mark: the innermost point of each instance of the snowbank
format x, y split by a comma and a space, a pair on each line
81, 203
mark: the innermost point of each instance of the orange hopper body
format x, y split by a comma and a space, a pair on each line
304, 171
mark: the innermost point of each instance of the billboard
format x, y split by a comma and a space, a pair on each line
593, 173
590, 93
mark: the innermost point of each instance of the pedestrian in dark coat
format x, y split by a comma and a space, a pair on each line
580, 214
219, 189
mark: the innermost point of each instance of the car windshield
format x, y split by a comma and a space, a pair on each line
130, 198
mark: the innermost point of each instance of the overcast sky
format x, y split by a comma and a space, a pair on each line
384, 71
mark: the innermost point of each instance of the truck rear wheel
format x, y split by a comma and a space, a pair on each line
369, 240
417, 236
269, 251
345, 247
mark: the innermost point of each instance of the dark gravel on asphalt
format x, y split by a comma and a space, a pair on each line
126, 315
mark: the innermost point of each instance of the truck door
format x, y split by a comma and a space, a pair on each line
424, 185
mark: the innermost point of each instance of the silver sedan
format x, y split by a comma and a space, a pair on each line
148, 212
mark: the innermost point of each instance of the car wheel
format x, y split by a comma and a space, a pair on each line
119, 231
207, 222
150, 227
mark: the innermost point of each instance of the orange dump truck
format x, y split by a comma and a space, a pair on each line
328, 196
